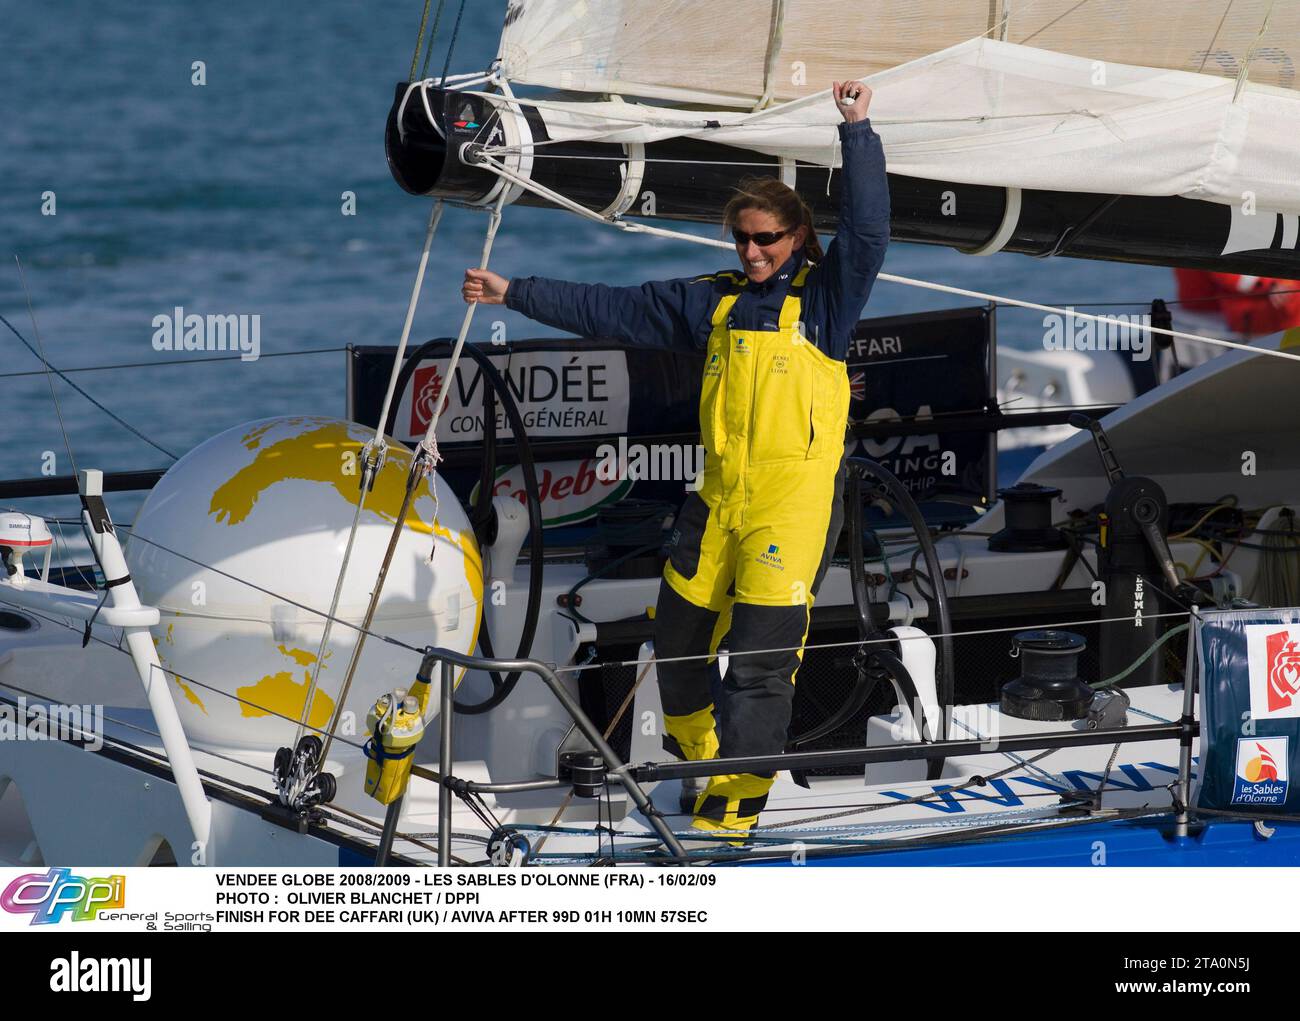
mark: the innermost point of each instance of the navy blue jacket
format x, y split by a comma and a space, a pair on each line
678, 313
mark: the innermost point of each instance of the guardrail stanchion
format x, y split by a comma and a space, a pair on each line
446, 710
391, 817
1183, 819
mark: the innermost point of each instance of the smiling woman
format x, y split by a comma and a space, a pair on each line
751, 545
768, 221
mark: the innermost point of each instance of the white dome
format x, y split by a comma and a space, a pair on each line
271, 503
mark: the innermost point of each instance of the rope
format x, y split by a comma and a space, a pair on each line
1250, 54
425, 460
367, 480
373, 457
419, 38
156, 364
36, 332
976, 781
166, 671
1019, 760
435, 216
451, 46
627, 702
1144, 657
51, 369
430, 441
136, 536
774, 40
874, 641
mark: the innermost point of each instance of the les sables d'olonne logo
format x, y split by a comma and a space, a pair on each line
1273, 660
1262, 771
48, 897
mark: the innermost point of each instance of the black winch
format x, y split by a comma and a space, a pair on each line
1029, 520
1048, 688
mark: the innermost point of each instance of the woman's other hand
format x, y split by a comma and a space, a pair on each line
861, 95
484, 286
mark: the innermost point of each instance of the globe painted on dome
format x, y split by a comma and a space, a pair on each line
240, 544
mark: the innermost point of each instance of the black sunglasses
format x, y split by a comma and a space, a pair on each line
762, 238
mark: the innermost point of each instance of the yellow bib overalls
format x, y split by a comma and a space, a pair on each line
750, 545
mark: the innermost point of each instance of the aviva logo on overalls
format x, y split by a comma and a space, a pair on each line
714, 366
741, 346
771, 558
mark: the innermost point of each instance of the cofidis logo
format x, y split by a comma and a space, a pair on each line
1262, 767
50, 896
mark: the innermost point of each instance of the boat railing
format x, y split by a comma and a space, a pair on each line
631, 777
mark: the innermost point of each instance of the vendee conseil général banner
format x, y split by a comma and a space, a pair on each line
578, 397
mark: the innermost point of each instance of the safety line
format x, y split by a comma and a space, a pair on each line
162, 364
48, 369
267, 710
872, 641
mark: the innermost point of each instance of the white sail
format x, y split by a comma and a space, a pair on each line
1195, 98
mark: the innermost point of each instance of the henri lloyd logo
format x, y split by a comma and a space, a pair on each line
77, 974
1273, 658
1261, 777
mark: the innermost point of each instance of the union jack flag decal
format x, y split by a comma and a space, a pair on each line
858, 385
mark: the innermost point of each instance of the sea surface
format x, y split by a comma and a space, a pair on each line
227, 198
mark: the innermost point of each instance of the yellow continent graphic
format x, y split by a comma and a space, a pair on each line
280, 693
317, 455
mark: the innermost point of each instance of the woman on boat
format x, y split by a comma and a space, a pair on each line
751, 545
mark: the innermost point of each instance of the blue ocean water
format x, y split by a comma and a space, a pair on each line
227, 198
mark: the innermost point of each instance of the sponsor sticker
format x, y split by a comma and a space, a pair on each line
559, 393
1261, 774
1273, 659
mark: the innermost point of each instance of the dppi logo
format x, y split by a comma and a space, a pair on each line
1262, 765
428, 390
47, 898
1273, 658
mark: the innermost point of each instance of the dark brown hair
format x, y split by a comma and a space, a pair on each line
771, 196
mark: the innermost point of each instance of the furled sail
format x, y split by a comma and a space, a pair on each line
1134, 97
1091, 100
705, 52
